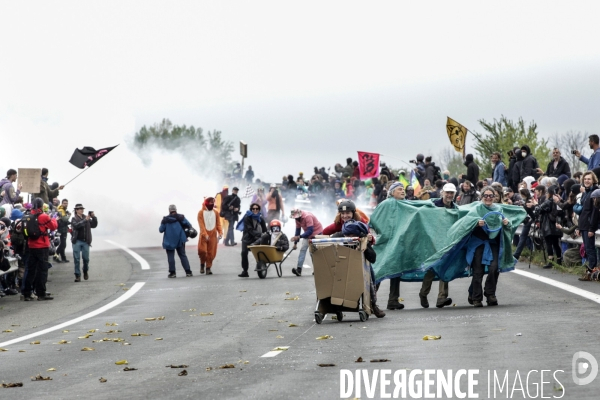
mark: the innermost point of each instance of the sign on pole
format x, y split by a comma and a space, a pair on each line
243, 149
30, 178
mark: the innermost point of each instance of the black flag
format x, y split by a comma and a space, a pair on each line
87, 156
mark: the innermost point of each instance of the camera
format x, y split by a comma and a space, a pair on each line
412, 161
573, 151
510, 153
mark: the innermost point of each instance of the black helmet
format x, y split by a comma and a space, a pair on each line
346, 205
420, 157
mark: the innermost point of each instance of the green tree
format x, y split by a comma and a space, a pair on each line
502, 136
206, 155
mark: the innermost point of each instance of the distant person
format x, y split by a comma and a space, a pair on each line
10, 196
594, 160
307, 222
63, 228
46, 193
174, 239
472, 170
210, 234
249, 176
230, 210
557, 166
81, 226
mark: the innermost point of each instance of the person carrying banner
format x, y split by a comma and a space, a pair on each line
447, 201
210, 234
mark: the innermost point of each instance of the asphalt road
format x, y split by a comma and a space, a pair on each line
536, 327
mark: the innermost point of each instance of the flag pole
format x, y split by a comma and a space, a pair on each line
76, 176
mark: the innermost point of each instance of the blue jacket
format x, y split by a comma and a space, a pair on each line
499, 173
593, 161
174, 236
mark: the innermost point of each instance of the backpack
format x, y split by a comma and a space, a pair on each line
437, 173
31, 226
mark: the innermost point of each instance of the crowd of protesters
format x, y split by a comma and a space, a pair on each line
35, 234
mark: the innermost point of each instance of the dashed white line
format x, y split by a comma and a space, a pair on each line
143, 263
564, 286
134, 289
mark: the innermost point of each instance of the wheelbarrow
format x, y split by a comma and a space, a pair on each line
266, 256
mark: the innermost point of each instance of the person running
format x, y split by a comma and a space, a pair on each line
253, 228
307, 222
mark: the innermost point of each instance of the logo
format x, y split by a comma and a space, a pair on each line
584, 363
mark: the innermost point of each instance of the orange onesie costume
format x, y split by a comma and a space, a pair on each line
210, 233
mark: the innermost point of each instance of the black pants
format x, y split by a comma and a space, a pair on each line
37, 272
229, 239
394, 291
479, 270
62, 246
553, 245
245, 257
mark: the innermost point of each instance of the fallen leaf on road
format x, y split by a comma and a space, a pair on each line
121, 284
243, 291
400, 299
125, 288
116, 340
63, 342
111, 324
65, 331
20, 351
149, 319
209, 368
36, 342
293, 298
326, 365
454, 305
177, 366
121, 362
431, 337
292, 325
227, 366
2, 349
113, 331
206, 314
273, 330
359, 359
381, 360
141, 334
102, 380
88, 349
161, 318
15, 325
129, 369
7, 331
93, 330
158, 338
243, 362
12, 385
38, 377
282, 348
324, 337
287, 292
183, 373
51, 369
85, 336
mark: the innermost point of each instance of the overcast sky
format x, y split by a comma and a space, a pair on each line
303, 83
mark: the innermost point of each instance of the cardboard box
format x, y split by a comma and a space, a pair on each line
342, 277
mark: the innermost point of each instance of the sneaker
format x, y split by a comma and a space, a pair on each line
77, 278
443, 303
85, 275
297, 271
492, 301
188, 274
424, 301
244, 274
28, 298
378, 313
172, 275
201, 268
42, 298
477, 303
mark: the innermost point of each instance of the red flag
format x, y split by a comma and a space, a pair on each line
368, 165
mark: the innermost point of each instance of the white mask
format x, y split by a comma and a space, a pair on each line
524, 154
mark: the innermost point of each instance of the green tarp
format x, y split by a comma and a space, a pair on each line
414, 236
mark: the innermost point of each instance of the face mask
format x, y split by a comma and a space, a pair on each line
523, 154
446, 176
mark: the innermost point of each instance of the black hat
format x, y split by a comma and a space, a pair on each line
78, 206
576, 188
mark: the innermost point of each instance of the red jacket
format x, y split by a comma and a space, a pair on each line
46, 224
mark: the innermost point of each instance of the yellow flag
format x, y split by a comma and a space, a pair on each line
457, 134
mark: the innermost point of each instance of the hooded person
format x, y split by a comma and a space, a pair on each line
529, 163
472, 169
529, 180
211, 232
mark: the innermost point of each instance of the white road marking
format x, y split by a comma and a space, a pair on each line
274, 352
564, 286
134, 289
144, 264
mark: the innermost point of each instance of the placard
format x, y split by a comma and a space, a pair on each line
30, 178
